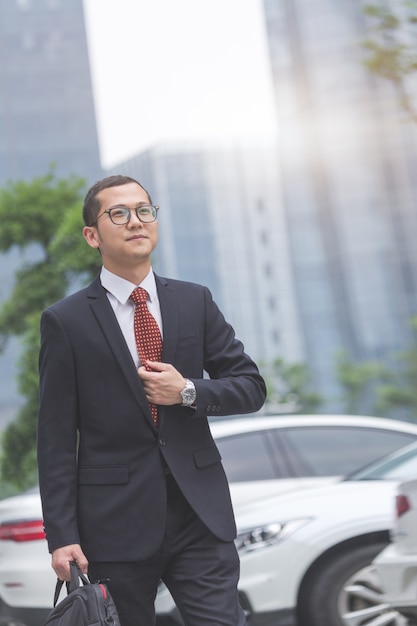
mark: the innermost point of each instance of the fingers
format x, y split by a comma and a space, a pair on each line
157, 366
149, 368
61, 558
163, 384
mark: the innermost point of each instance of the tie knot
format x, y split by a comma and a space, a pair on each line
139, 295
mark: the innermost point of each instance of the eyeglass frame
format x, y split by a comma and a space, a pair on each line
155, 208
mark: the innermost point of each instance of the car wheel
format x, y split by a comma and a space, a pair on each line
362, 602
329, 596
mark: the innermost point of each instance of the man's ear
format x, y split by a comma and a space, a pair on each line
90, 235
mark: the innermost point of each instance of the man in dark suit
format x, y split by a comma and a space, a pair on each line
127, 496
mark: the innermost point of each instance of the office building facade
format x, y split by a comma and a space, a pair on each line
347, 170
46, 115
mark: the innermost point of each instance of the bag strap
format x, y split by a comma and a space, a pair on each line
73, 584
76, 576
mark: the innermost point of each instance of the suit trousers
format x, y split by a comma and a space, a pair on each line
200, 571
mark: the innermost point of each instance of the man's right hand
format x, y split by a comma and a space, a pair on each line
61, 558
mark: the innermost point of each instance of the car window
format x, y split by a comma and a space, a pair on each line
327, 451
402, 467
247, 457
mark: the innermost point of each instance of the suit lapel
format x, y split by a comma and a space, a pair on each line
107, 321
168, 303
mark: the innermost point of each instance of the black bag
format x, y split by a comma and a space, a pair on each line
86, 605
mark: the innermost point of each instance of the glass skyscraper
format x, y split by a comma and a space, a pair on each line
46, 114
46, 101
347, 169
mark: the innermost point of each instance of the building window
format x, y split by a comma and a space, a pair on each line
264, 237
53, 5
275, 337
28, 41
23, 5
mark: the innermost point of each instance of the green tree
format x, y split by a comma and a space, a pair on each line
400, 392
42, 218
288, 388
391, 47
358, 382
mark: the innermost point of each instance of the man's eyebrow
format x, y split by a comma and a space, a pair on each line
126, 206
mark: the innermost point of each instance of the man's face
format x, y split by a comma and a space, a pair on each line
124, 246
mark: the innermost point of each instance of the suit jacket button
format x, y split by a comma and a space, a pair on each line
162, 442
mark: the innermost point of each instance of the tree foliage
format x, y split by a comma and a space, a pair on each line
401, 389
358, 382
42, 218
289, 388
391, 47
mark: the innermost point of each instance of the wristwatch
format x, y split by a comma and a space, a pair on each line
188, 394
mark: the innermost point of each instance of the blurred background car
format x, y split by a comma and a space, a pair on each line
393, 578
303, 554
261, 455
303, 450
26, 577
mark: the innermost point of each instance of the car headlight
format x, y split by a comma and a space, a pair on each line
267, 535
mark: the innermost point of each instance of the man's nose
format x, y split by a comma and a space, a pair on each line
134, 220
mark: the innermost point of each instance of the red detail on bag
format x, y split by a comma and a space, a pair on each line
103, 591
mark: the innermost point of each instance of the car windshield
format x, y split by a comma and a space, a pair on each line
397, 466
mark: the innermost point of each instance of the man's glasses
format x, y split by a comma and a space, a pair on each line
119, 215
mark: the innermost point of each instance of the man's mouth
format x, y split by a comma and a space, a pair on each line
135, 237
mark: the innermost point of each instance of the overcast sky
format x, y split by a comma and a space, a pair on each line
166, 70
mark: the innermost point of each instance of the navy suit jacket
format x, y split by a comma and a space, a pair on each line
101, 460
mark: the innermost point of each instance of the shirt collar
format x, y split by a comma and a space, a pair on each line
121, 288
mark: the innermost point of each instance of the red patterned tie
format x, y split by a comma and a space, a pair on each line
147, 335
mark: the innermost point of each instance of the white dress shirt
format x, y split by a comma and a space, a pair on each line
118, 293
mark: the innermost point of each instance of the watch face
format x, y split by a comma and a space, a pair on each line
188, 395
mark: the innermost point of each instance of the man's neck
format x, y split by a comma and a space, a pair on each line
134, 275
